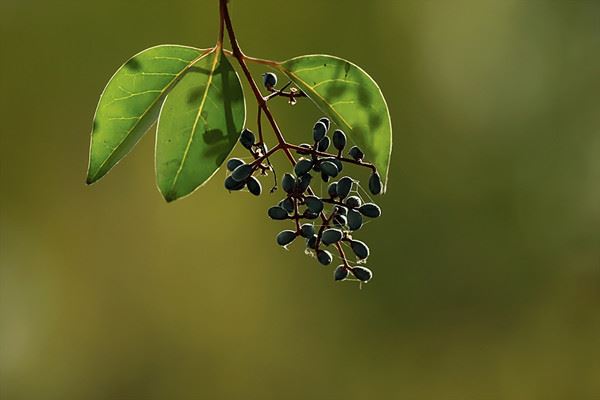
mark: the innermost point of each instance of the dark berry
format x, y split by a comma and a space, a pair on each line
329, 169
242, 172
314, 204
269, 80
370, 210
254, 186
285, 237
323, 144
324, 257
234, 163
332, 190
326, 121
277, 213
307, 230
304, 182
362, 274
341, 273
344, 186
288, 183
287, 204
302, 167
247, 138
231, 184
353, 201
360, 249
356, 153
375, 183
339, 140
331, 235
319, 131
354, 220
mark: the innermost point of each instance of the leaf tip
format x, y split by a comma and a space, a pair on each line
170, 196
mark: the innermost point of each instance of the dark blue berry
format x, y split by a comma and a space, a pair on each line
269, 80
353, 201
302, 167
288, 183
375, 183
332, 190
324, 257
307, 230
354, 220
231, 184
326, 121
370, 210
329, 169
319, 131
356, 153
285, 237
339, 140
287, 204
360, 249
323, 144
242, 172
341, 273
234, 163
314, 204
344, 186
247, 138
331, 235
277, 213
254, 186
362, 274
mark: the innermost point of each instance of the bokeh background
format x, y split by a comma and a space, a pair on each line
486, 261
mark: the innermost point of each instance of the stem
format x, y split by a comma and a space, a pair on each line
241, 58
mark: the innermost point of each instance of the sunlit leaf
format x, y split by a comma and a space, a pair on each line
130, 103
351, 98
199, 124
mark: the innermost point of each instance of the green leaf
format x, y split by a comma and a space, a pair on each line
351, 98
200, 122
131, 100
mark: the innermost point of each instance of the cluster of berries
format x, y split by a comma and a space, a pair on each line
341, 209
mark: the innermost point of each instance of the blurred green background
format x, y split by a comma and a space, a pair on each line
487, 259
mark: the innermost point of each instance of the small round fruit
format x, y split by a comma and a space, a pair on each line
370, 210
319, 131
325, 177
362, 274
314, 204
329, 168
306, 149
344, 186
304, 182
232, 185
287, 204
339, 140
303, 166
285, 237
332, 190
247, 138
277, 213
311, 243
355, 220
307, 230
307, 214
323, 144
242, 172
254, 186
356, 153
326, 121
324, 257
341, 210
288, 183
353, 201
331, 236
360, 249
341, 273
269, 80
340, 220
375, 183
234, 163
